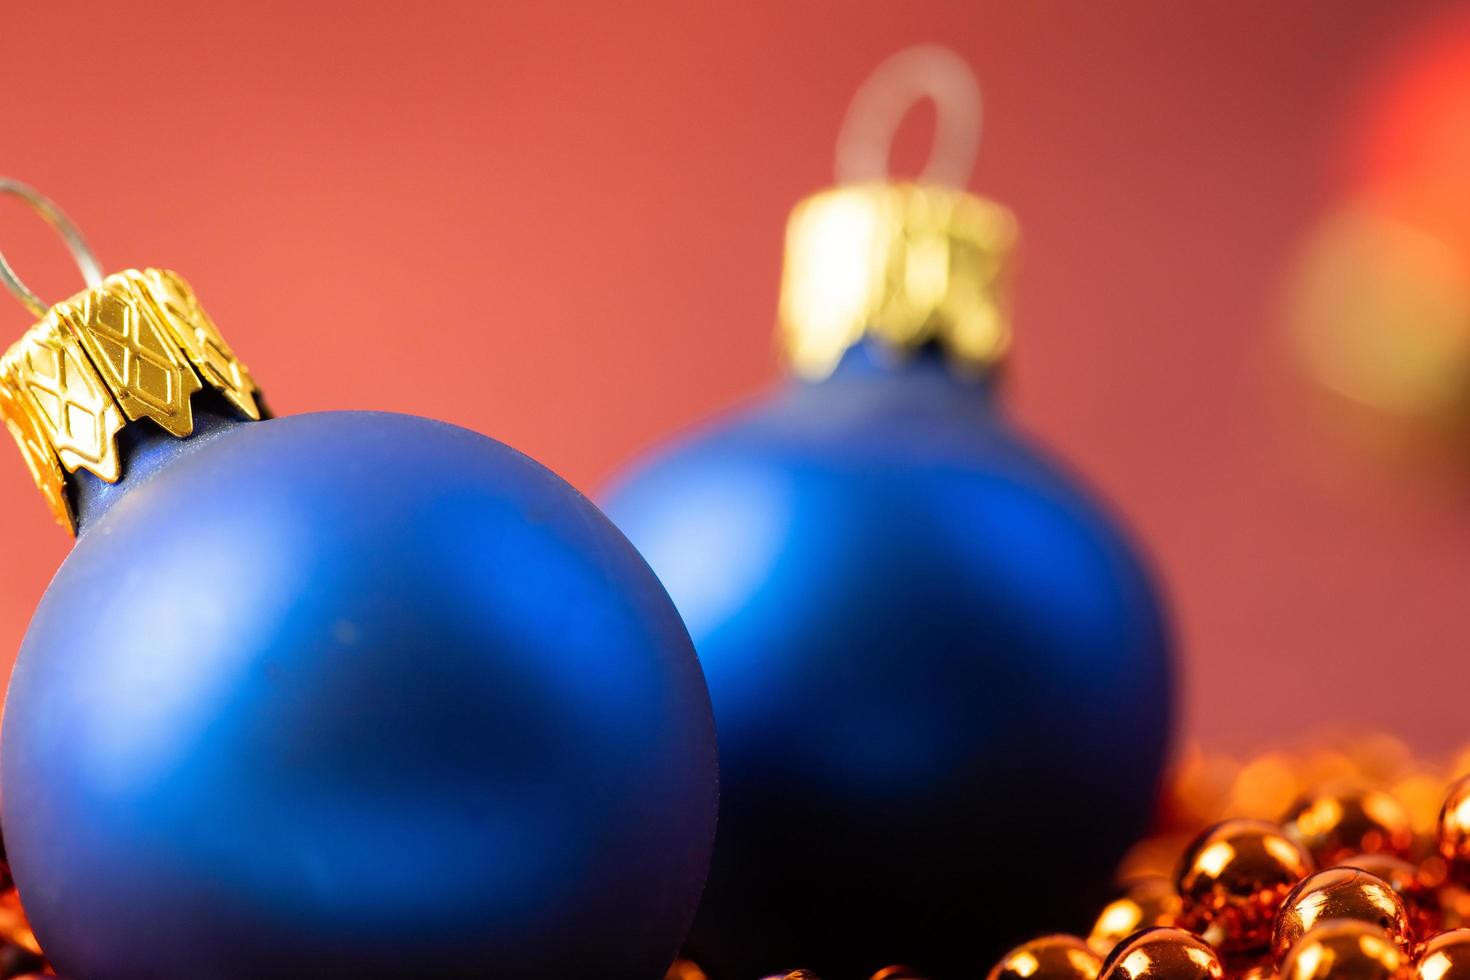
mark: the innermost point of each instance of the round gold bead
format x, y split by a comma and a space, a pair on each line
1445, 957
1454, 831
1232, 879
1340, 893
1145, 902
1335, 822
1415, 885
1345, 949
1163, 953
1057, 957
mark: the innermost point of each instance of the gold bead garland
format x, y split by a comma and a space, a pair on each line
1351, 882
1342, 858
1397, 910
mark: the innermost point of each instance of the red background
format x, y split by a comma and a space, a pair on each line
560, 224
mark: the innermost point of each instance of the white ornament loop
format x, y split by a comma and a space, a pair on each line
923, 71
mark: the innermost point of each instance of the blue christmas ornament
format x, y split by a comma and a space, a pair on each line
348, 695
940, 669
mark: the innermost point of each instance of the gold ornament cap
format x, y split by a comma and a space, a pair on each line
906, 264
132, 346
909, 264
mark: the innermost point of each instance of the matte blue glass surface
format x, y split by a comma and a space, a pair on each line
354, 695
940, 672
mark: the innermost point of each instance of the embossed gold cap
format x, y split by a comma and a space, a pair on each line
135, 345
906, 264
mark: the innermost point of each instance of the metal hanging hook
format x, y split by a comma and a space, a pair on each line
90, 268
923, 71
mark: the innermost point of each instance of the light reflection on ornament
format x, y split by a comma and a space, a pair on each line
1445, 957
835, 246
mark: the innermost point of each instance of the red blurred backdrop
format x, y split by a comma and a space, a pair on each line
560, 224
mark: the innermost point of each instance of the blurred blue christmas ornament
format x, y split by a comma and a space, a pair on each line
340, 695
937, 663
